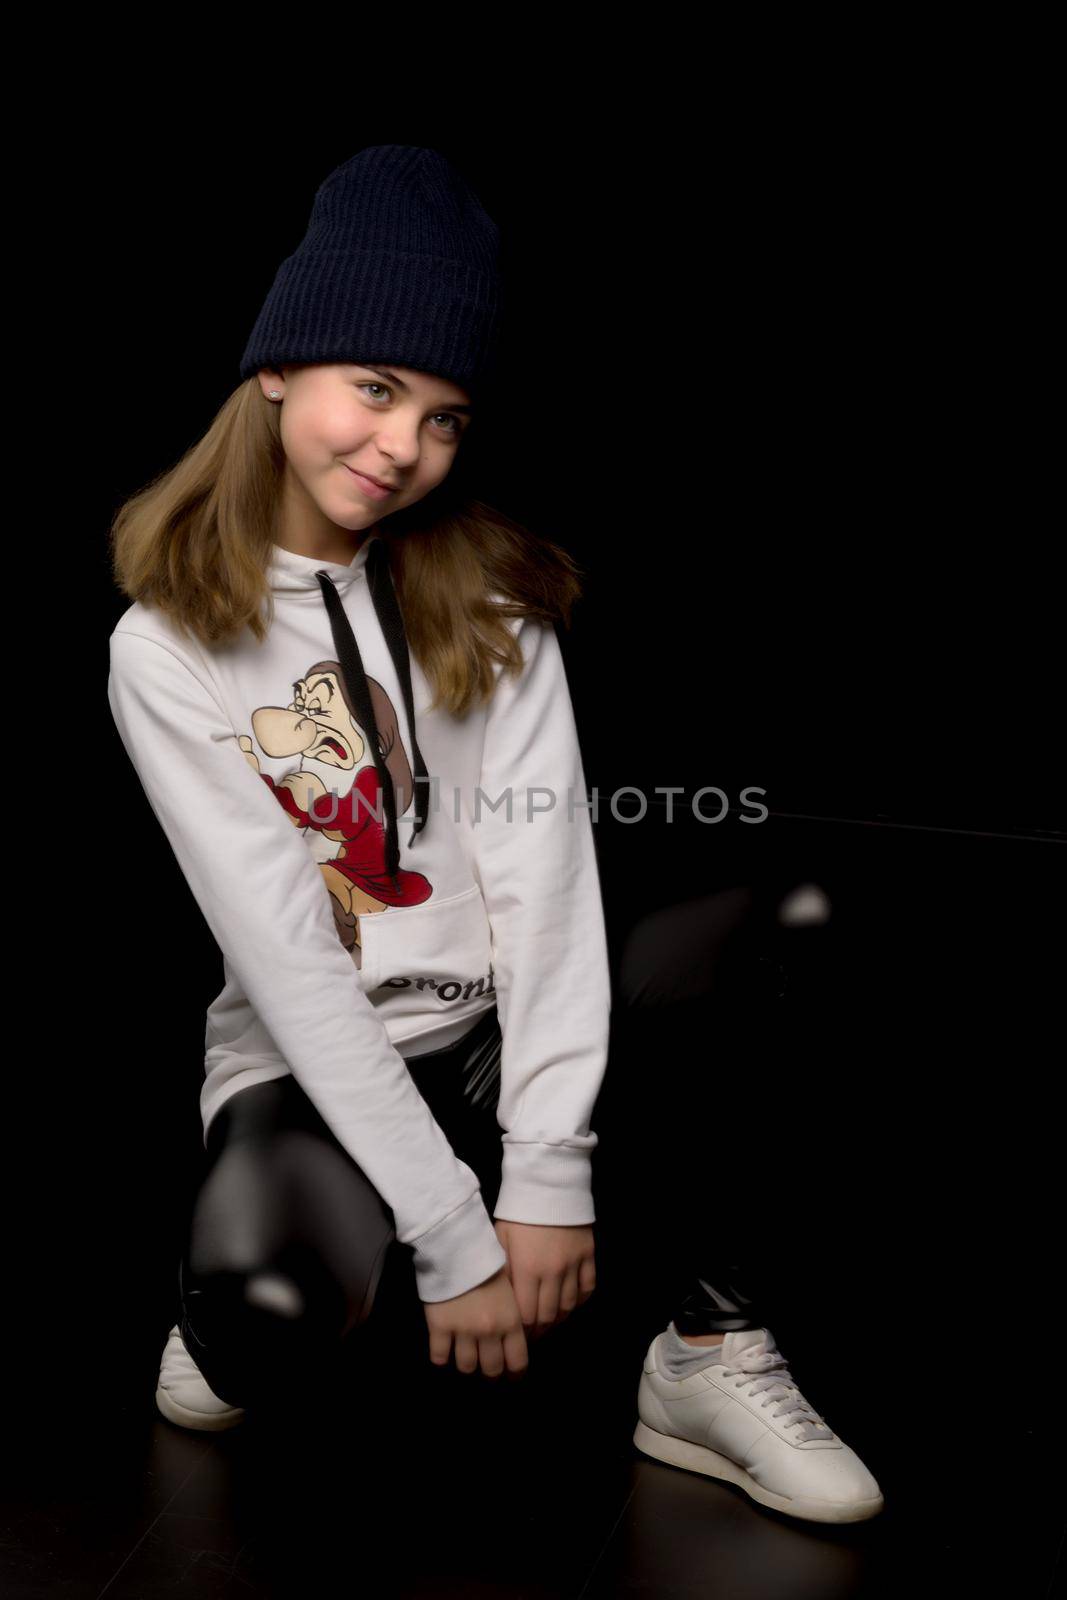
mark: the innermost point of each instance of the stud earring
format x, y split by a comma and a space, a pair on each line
274, 393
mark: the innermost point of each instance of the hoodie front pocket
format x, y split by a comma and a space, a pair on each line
431, 957
368, 953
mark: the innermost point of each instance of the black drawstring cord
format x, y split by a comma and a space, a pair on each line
387, 608
359, 693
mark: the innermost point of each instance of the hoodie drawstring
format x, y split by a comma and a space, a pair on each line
387, 609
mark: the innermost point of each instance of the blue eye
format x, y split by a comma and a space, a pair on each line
457, 426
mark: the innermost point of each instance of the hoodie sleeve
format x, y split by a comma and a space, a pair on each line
265, 902
539, 878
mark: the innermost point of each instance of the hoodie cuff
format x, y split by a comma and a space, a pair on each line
546, 1183
457, 1253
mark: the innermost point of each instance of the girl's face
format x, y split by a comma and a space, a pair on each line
345, 425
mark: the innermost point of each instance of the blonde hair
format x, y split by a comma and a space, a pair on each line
197, 539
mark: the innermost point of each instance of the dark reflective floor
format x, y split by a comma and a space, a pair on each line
409, 1481
898, 1143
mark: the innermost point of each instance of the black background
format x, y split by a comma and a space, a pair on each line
776, 379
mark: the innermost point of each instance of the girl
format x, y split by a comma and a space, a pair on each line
387, 989
376, 795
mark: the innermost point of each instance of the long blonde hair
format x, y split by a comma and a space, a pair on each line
196, 541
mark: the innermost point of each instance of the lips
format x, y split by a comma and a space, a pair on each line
389, 487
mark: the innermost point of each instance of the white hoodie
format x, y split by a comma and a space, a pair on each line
334, 972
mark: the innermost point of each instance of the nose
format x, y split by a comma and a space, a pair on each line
399, 446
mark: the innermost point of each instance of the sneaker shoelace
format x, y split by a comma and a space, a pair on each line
767, 1372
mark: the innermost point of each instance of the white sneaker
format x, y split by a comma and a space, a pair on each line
183, 1395
743, 1419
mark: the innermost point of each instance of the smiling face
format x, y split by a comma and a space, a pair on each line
399, 425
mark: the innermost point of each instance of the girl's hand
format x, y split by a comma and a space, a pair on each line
552, 1270
484, 1328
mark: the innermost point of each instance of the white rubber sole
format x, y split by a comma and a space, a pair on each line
203, 1421
698, 1458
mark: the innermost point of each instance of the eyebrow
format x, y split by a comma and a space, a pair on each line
368, 366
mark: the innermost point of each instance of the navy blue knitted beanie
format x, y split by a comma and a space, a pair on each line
400, 263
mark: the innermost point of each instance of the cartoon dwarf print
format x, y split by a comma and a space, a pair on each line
320, 729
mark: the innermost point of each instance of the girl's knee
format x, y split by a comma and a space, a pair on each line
259, 1334
267, 1301
276, 1293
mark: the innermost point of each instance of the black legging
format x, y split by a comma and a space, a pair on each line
698, 1039
288, 1239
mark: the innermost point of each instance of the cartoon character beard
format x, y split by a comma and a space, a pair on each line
339, 780
336, 780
